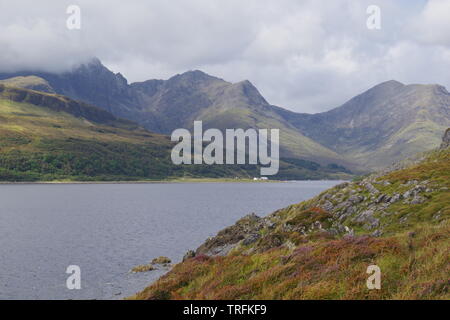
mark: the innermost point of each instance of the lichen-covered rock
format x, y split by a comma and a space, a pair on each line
396, 197
355, 199
369, 187
365, 216
327, 206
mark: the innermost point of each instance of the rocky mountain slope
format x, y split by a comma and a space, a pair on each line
321, 248
389, 122
386, 123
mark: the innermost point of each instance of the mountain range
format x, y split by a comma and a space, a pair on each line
386, 123
45, 137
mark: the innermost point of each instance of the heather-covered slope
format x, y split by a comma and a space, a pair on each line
321, 248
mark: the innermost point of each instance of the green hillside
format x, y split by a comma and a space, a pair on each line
321, 248
29, 82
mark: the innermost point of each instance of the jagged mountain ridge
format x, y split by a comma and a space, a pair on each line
386, 123
165, 105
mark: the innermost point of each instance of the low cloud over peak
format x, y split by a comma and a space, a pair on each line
303, 55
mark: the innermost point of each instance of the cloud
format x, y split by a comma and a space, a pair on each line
432, 25
307, 55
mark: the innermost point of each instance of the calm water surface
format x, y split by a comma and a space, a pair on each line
107, 229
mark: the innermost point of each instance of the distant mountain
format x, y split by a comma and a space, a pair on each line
386, 123
194, 95
92, 83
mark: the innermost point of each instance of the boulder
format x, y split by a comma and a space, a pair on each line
370, 187
365, 216
356, 199
243, 230
327, 206
396, 197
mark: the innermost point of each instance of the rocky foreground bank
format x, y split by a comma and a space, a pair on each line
320, 249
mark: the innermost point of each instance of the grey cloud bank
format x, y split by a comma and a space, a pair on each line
302, 55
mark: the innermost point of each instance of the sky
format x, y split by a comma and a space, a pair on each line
303, 55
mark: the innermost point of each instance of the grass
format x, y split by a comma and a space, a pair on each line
333, 269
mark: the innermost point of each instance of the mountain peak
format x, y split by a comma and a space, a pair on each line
93, 65
95, 62
121, 78
195, 75
388, 85
247, 89
374, 95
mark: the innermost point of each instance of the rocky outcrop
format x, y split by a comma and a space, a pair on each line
245, 230
446, 139
162, 261
367, 206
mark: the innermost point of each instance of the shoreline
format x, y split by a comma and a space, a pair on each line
206, 180
193, 180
